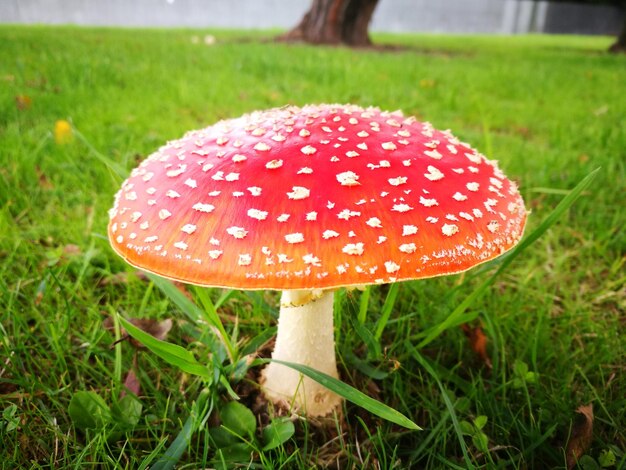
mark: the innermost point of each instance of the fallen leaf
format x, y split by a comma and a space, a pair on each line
478, 342
70, 250
114, 279
63, 132
44, 182
610, 380
23, 102
158, 329
41, 289
581, 437
123, 277
373, 390
131, 382
523, 131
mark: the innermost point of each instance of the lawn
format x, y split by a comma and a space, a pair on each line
77, 104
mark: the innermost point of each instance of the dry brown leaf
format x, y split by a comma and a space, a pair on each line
114, 279
121, 278
478, 342
181, 286
23, 102
158, 329
70, 250
131, 382
582, 434
44, 182
38, 297
373, 390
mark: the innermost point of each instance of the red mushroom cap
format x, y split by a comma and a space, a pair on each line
314, 197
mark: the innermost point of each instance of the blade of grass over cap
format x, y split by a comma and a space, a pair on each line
192, 311
453, 319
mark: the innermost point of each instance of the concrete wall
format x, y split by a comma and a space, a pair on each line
438, 16
442, 16
185, 13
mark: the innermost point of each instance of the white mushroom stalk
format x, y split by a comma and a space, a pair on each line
305, 336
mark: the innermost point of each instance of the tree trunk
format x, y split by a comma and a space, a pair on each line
335, 22
620, 43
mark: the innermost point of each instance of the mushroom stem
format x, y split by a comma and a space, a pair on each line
305, 336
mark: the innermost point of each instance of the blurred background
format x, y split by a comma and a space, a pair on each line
441, 16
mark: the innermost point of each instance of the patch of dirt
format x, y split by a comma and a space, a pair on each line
7, 388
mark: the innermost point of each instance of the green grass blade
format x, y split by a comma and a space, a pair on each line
172, 455
363, 304
171, 353
352, 395
118, 170
374, 350
528, 451
191, 310
226, 295
390, 302
117, 365
549, 221
364, 366
254, 344
211, 316
449, 405
147, 461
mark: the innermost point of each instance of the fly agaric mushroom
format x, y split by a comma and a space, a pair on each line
307, 200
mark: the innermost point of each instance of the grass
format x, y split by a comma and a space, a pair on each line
550, 109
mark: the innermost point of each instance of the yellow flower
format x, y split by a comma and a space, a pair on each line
63, 132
